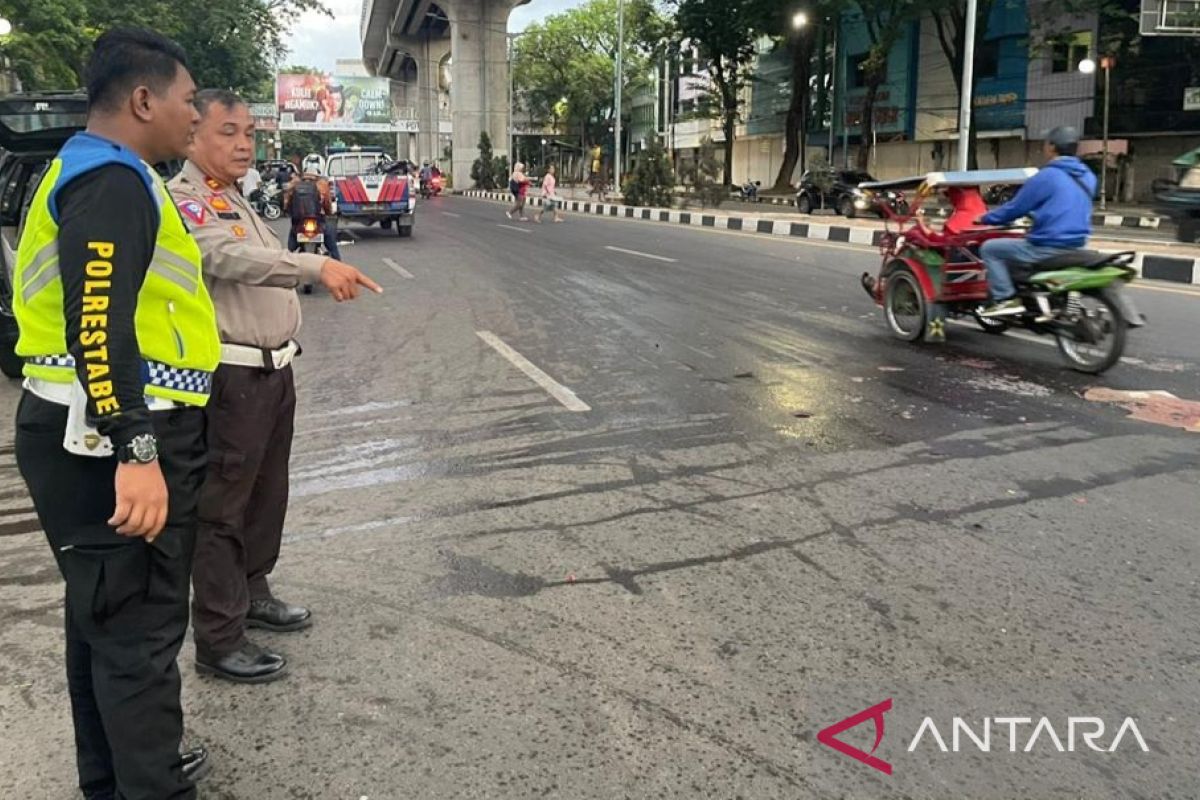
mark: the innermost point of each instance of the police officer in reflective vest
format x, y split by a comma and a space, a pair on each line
120, 343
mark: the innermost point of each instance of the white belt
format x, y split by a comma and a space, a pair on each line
240, 355
60, 394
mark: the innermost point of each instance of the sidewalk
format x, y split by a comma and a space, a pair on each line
1117, 215
1165, 262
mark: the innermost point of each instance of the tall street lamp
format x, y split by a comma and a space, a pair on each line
968, 88
799, 23
511, 39
1088, 67
617, 92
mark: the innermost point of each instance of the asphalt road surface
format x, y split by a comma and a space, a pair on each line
614, 509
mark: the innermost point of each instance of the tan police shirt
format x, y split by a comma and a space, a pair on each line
251, 276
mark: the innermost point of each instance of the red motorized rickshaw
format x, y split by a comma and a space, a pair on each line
931, 274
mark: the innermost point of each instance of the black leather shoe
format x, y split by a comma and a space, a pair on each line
196, 765
276, 615
248, 664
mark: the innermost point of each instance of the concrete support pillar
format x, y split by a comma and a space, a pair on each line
479, 70
433, 51
421, 94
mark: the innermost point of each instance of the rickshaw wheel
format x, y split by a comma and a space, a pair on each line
904, 305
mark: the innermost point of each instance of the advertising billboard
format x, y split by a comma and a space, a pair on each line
266, 116
324, 102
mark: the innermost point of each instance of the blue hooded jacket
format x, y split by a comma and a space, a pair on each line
1059, 199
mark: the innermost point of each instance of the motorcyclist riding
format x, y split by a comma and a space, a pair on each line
1059, 200
426, 176
299, 202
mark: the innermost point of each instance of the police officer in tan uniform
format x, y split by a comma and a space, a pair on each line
252, 279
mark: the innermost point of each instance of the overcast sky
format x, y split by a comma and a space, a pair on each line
317, 41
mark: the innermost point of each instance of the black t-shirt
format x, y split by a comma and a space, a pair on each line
108, 224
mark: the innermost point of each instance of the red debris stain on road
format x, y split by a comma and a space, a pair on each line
976, 363
1158, 407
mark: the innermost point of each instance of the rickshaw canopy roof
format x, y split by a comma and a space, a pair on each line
971, 177
1189, 159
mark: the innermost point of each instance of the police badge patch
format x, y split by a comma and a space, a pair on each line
192, 210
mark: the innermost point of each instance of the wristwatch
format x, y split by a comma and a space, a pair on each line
142, 449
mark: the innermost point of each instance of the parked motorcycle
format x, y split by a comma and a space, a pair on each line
267, 203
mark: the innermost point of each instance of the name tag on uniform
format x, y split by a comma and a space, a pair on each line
229, 215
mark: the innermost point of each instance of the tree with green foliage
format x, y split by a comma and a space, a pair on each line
776, 19
483, 170
821, 174
564, 67
724, 31
950, 21
653, 180
704, 176
500, 172
231, 44
885, 21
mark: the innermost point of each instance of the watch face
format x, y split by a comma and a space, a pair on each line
144, 448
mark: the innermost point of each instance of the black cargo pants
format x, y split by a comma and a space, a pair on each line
126, 601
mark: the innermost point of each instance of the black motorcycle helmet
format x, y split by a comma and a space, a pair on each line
1064, 139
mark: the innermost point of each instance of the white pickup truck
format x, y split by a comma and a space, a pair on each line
370, 187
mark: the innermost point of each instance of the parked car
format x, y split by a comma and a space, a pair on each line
1180, 199
843, 194
32, 129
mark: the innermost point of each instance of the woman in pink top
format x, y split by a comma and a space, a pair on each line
550, 198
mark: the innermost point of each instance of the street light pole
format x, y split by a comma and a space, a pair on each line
1107, 63
968, 79
833, 92
1087, 67
799, 23
617, 92
512, 134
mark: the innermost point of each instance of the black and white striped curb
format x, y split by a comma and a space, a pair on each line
1149, 265
1098, 220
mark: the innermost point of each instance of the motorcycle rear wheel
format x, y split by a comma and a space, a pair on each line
1103, 319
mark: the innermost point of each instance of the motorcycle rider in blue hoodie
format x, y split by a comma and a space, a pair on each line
1059, 200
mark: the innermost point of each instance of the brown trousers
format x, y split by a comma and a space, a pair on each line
243, 502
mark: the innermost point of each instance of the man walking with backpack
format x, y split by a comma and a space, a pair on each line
305, 199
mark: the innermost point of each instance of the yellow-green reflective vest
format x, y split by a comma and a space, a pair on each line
175, 321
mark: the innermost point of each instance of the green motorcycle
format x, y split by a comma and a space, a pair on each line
929, 276
1077, 299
